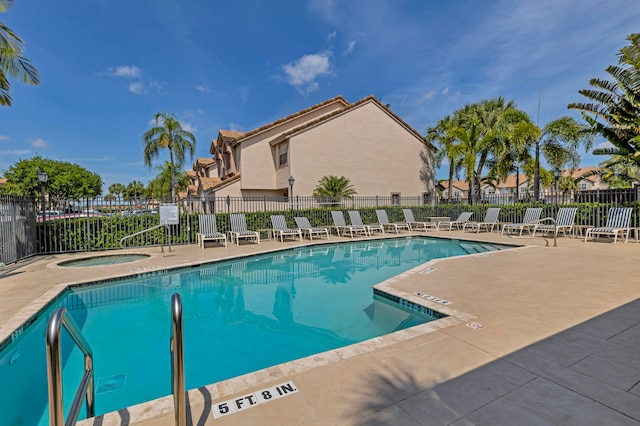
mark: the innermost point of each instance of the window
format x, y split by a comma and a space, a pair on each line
425, 198
395, 199
283, 150
582, 187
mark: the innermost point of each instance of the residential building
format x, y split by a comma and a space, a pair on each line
363, 141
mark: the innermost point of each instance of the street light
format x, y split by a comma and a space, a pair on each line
42, 178
291, 182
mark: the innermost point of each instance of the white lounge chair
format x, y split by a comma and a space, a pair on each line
618, 220
458, 223
383, 220
489, 222
207, 230
305, 227
239, 229
414, 224
341, 225
529, 222
564, 222
356, 220
280, 228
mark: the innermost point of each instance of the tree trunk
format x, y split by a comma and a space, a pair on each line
173, 187
450, 196
536, 174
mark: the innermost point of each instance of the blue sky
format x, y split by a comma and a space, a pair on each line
107, 67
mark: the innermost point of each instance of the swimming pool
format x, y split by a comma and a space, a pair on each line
239, 316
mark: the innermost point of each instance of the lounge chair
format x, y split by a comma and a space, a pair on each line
564, 222
383, 220
414, 224
239, 229
529, 222
618, 220
489, 222
356, 220
305, 227
341, 226
280, 228
458, 223
208, 231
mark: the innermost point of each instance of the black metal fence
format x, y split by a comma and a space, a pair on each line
101, 223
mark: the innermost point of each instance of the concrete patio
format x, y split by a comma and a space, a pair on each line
536, 335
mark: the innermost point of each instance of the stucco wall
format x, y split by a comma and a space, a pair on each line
258, 165
367, 146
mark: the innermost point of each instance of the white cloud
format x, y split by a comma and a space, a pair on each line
350, 47
137, 88
332, 35
235, 127
188, 127
16, 152
604, 145
445, 91
127, 71
39, 143
202, 88
160, 88
4, 138
428, 96
302, 74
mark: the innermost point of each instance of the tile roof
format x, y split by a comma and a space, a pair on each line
329, 116
510, 181
3, 181
338, 98
576, 173
462, 185
203, 162
231, 134
209, 183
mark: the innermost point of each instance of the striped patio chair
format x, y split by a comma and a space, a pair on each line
305, 227
489, 222
414, 224
564, 222
529, 222
207, 230
341, 225
618, 220
458, 223
356, 220
383, 220
238, 223
280, 228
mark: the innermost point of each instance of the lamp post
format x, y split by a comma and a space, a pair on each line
291, 182
556, 174
42, 178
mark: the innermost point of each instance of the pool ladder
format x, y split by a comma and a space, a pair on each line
57, 320
60, 318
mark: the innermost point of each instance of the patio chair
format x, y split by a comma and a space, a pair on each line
280, 228
356, 220
414, 224
239, 229
618, 220
489, 222
383, 220
458, 223
207, 230
529, 222
341, 226
564, 222
305, 227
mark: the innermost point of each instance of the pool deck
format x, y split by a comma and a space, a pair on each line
537, 335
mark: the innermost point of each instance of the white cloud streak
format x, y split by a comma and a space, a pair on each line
39, 143
126, 71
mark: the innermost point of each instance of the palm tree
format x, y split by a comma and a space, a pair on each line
614, 108
442, 136
12, 63
134, 190
169, 134
334, 186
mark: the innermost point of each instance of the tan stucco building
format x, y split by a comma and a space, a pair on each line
364, 141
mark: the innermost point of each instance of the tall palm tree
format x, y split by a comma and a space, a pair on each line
12, 63
613, 110
334, 186
441, 135
168, 134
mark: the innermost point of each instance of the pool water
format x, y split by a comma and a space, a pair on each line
239, 316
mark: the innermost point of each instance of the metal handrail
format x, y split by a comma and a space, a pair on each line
147, 230
177, 361
54, 370
555, 233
